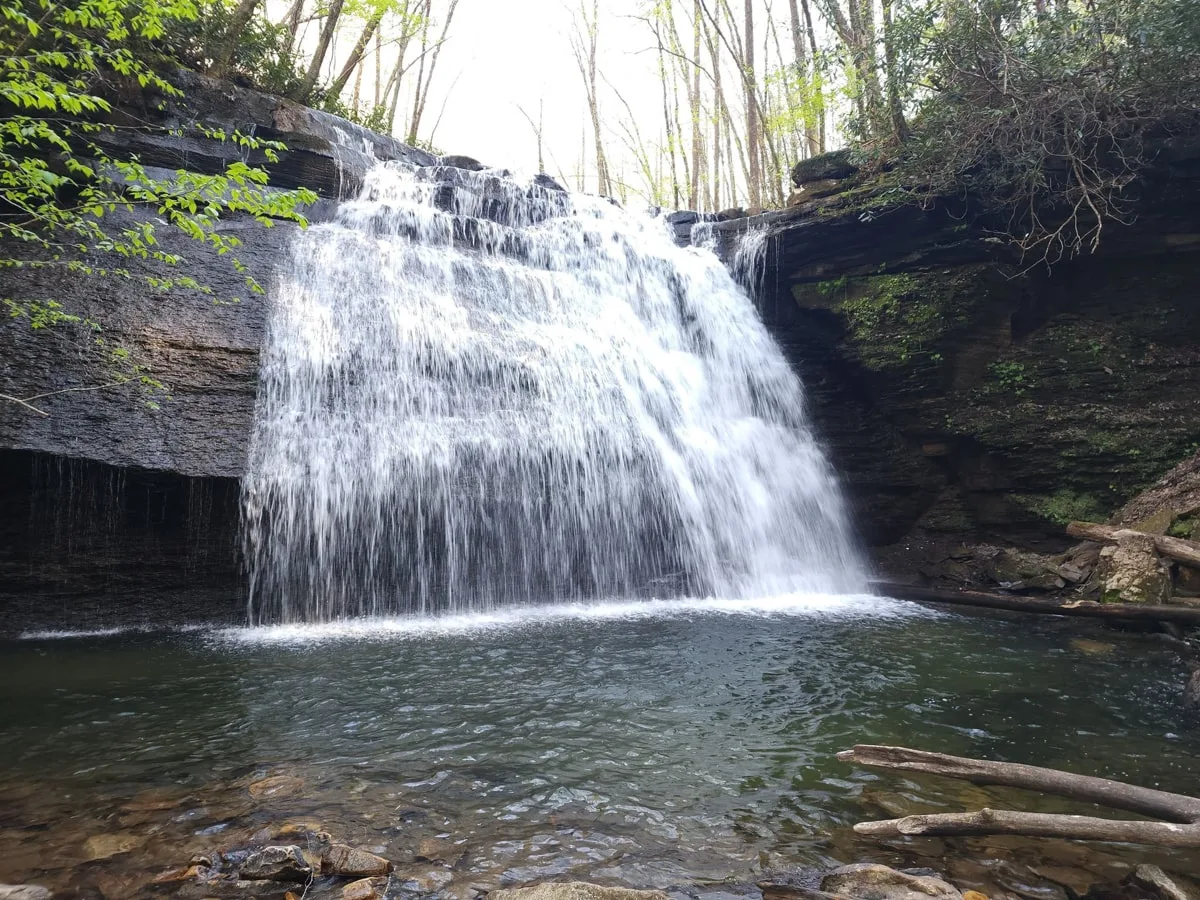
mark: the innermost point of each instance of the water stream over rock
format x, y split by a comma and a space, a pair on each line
478, 394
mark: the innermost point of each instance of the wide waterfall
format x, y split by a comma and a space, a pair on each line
478, 393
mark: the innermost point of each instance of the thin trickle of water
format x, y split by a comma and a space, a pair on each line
476, 393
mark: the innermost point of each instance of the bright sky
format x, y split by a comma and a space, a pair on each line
509, 52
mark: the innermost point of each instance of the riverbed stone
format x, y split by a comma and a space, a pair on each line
364, 889
574, 890
1168, 887
872, 881
104, 846
280, 863
276, 787
350, 862
24, 892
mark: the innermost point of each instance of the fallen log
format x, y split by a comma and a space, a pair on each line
996, 821
1104, 791
1186, 552
1184, 615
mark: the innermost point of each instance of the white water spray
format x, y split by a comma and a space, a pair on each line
478, 394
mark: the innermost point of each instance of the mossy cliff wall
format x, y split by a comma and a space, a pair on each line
966, 394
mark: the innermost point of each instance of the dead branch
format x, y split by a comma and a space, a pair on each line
1089, 609
996, 821
1186, 552
1104, 791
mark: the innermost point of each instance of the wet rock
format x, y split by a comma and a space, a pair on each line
786, 885
418, 881
178, 875
1131, 572
340, 859
832, 166
276, 864
445, 852
463, 162
276, 787
24, 892
103, 846
1077, 881
574, 890
1168, 887
364, 889
545, 181
871, 881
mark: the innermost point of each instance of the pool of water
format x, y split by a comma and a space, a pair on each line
647, 744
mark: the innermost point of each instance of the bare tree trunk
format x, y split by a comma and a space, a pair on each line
753, 126
1186, 552
537, 132
999, 821
812, 137
1088, 788
314, 67
425, 77
891, 72
585, 58
223, 59
356, 55
378, 69
292, 21
697, 125
817, 83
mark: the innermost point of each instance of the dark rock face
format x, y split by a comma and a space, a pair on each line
965, 396
324, 152
826, 167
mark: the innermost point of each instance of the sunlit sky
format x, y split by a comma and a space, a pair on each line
505, 53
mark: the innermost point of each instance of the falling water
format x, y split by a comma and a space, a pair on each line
476, 393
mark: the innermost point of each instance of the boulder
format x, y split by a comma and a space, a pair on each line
832, 166
350, 862
1168, 887
1131, 571
872, 881
363, 889
24, 892
276, 864
574, 890
463, 162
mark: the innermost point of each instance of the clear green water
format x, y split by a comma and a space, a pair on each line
695, 742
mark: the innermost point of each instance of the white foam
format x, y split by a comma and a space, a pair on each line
840, 606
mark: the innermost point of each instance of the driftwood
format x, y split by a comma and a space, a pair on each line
1182, 811
998, 821
1186, 552
1184, 615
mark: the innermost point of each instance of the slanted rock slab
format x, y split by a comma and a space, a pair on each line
351, 862
871, 881
574, 890
276, 864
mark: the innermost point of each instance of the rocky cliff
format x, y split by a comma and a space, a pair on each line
968, 395
963, 396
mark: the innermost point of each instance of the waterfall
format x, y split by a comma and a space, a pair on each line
476, 393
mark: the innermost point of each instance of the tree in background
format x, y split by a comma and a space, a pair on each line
62, 190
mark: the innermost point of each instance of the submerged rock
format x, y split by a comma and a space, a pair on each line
871, 881
24, 892
574, 890
350, 862
276, 864
1168, 887
276, 786
363, 889
103, 846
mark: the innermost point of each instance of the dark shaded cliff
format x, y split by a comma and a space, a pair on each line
965, 395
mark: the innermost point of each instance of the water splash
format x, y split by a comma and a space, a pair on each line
478, 394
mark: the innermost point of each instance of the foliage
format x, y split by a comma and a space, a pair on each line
1044, 113
65, 194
